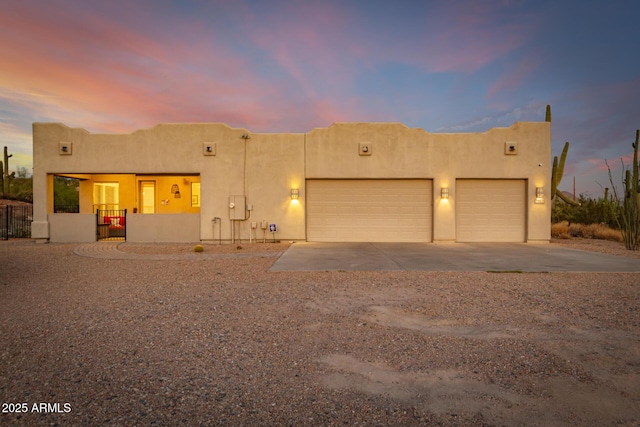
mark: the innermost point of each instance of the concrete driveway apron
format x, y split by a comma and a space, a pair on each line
312, 256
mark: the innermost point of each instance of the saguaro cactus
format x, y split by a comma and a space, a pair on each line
631, 203
556, 174
547, 117
628, 205
636, 178
5, 183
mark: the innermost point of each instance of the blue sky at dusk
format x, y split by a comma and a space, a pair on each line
290, 66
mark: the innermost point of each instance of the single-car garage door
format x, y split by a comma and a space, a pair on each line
369, 210
490, 210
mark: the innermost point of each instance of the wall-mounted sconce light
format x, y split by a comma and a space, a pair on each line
176, 191
209, 148
444, 193
511, 148
539, 195
365, 148
295, 193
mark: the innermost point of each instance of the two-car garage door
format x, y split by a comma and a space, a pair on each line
356, 210
400, 210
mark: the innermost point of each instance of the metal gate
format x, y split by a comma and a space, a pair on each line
111, 224
15, 221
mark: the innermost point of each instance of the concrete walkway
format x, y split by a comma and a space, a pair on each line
309, 256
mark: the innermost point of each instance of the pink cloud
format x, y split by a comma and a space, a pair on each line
324, 47
512, 78
92, 64
310, 41
140, 64
600, 165
463, 36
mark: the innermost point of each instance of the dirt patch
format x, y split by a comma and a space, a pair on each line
599, 246
513, 353
183, 248
223, 341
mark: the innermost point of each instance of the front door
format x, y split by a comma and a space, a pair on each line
147, 197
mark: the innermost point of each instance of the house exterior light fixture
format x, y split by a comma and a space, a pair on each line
444, 193
295, 193
176, 191
539, 195
64, 148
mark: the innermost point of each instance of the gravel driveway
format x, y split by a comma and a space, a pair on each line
222, 341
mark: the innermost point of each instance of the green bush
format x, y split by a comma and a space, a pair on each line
590, 211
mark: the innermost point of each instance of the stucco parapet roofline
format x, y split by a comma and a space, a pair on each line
337, 125
496, 128
159, 126
62, 125
417, 129
140, 130
333, 126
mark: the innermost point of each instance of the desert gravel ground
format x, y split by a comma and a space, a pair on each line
223, 341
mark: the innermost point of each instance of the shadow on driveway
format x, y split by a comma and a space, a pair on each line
311, 256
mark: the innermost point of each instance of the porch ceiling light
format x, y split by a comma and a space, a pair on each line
295, 193
444, 193
539, 195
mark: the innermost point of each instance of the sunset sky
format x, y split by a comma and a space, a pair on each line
291, 66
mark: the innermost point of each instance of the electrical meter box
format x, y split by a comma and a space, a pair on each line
237, 206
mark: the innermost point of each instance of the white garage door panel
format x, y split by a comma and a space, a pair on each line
369, 210
490, 210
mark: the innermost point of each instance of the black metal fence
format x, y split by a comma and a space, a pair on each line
111, 224
15, 221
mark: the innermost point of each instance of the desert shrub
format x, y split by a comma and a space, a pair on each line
564, 230
602, 232
590, 211
576, 230
560, 230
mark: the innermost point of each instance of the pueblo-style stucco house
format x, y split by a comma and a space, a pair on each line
350, 182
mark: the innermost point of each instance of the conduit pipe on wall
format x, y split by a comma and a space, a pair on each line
245, 136
233, 226
218, 220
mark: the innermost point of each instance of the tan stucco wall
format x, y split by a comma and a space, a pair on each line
401, 152
264, 167
142, 228
72, 227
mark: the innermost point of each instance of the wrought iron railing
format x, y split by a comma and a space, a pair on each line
111, 224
